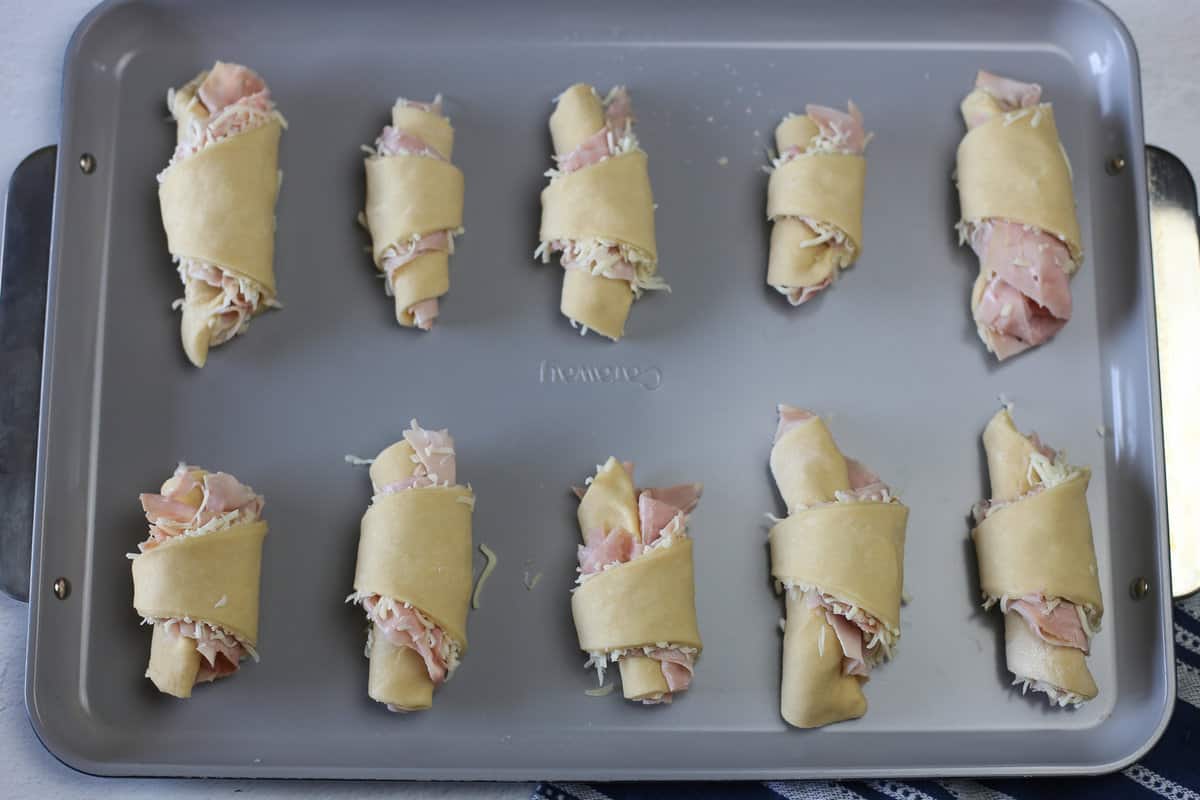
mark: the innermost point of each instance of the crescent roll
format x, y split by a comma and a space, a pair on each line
196, 577
815, 200
598, 210
414, 208
413, 576
217, 197
839, 557
1037, 562
1018, 215
634, 601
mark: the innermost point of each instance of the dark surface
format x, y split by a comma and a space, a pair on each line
23, 270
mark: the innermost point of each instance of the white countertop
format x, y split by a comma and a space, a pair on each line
33, 39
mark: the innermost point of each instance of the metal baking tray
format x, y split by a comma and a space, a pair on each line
889, 356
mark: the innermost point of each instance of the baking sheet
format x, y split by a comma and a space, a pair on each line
889, 356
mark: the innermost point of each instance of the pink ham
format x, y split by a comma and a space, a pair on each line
600, 549
393, 141
403, 628
619, 269
226, 84
1010, 94
850, 637
223, 492
591, 151
1061, 626
684, 497
791, 417
844, 129
802, 294
677, 667
159, 509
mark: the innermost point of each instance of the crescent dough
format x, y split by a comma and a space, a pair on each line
814, 692
854, 551
415, 547
409, 195
823, 186
610, 502
174, 662
600, 303
577, 117
433, 129
397, 676
644, 601
807, 465
1008, 453
1041, 544
610, 200
793, 261
1032, 658
1009, 168
425, 277
218, 205
188, 576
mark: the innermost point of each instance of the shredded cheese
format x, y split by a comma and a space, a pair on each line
487, 571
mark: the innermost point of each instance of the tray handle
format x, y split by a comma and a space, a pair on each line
24, 263
1176, 249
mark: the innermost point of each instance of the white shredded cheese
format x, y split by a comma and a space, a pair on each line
483, 576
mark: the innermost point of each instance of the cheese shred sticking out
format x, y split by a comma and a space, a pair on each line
358, 462
487, 571
603, 691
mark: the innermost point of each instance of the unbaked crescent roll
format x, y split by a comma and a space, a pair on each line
815, 200
196, 577
1033, 543
1018, 215
413, 576
217, 197
839, 557
414, 208
634, 601
598, 210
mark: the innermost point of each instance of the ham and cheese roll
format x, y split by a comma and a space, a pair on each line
217, 197
414, 208
634, 601
1033, 543
413, 577
1018, 215
598, 211
196, 576
815, 200
839, 557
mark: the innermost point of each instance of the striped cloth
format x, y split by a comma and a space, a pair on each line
1171, 769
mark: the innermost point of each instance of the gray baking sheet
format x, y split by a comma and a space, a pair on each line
889, 356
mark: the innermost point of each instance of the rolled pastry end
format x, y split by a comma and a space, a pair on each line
578, 115
174, 662
1061, 672
426, 277
814, 692
1008, 452
199, 304
794, 265
601, 304
398, 676
642, 678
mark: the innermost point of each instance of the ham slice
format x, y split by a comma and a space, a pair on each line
404, 627
601, 548
677, 667
844, 129
1010, 94
1060, 626
226, 84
